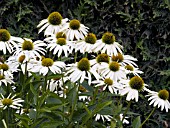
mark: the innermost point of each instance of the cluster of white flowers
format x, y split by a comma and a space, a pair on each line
111, 68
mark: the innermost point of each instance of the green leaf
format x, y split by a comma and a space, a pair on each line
52, 124
100, 106
23, 117
33, 90
137, 122
72, 95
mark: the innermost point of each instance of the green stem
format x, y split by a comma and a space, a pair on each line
147, 117
63, 95
75, 57
95, 94
126, 110
45, 83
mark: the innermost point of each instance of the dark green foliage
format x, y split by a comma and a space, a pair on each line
141, 26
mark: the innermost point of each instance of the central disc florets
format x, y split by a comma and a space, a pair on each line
74, 24
163, 94
61, 35
118, 57
82, 89
4, 67
114, 66
4, 35
55, 18
84, 64
61, 41
27, 45
108, 38
21, 58
108, 81
129, 67
2, 77
7, 101
102, 58
47, 62
137, 83
90, 38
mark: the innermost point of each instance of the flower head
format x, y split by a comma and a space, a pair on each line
59, 44
108, 45
5, 79
81, 70
112, 70
74, 30
132, 87
124, 59
52, 24
8, 42
87, 44
47, 64
10, 102
159, 99
30, 49
107, 83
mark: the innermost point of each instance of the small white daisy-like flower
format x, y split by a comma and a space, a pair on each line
108, 45
30, 49
8, 68
103, 117
5, 79
113, 70
124, 59
47, 64
82, 96
81, 70
52, 24
74, 30
107, 83
10, 102
56, 83
132, 70
125, 121
8, 42
96, 63
58, 44
87, 44
132, 87
20, 63
159, 99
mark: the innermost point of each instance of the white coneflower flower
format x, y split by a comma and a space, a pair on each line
96, 63
5, 79
124, 59
56, 83
86, 45
159, 99
113, 70
108, 45
8, 68
81, 94
10, 102
107, 83
46, 65
20, 63
52, 24
125, 121
81, 70
58, 44
74, 30
132, 70
8, 42
30, 49
103, 117
132, 87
